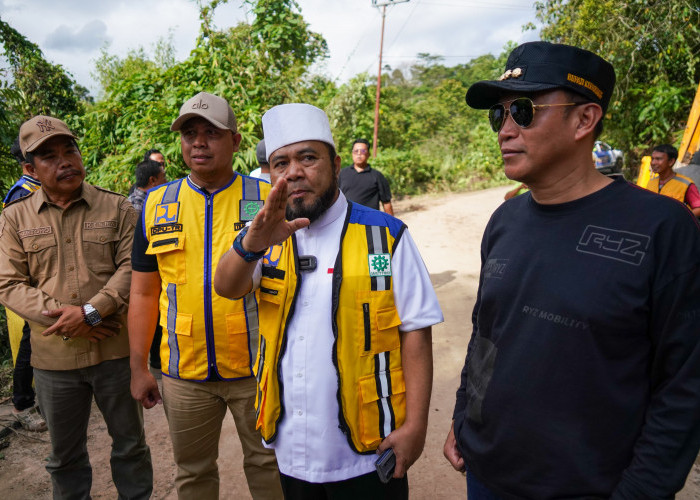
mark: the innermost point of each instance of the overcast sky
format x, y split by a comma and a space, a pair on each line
71, 32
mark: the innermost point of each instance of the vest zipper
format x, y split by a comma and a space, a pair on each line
208, 314
368, 328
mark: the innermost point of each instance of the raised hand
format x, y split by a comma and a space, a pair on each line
270, 226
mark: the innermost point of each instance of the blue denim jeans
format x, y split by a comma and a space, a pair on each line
476, 490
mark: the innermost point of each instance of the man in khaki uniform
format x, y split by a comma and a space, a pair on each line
65, 267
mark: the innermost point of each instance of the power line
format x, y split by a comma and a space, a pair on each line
480, 4
368, 26
417, 2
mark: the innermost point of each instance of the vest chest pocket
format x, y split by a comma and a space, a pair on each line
170, 251
378, 320
42, 254
99, 246
271, 291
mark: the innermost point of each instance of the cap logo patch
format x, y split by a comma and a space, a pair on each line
45, 126
511, 73
585, 83
200, 105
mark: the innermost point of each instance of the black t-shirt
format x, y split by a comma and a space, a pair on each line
367, 188
139, 260
582, 377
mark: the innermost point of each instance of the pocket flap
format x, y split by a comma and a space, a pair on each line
183, 324
38, 243
271, 290
368, 386
387, 318
100, 235
166, 244
236, 323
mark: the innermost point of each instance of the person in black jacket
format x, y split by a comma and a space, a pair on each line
582, 375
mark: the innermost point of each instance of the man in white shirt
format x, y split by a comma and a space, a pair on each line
346, 307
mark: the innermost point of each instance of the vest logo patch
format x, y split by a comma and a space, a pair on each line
34, 232
166, 228
614, 244
379, 264
100, 224
166, 213
237, 226
250, 208
272, 257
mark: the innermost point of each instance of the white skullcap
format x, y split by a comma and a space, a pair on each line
291, 123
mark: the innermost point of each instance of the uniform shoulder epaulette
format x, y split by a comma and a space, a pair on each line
19, 199
107, 191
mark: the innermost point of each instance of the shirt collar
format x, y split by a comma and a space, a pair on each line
87, 194
336, 210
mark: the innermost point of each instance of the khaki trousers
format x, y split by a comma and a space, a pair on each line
195, 412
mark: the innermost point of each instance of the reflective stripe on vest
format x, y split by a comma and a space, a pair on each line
205, 336
372, 389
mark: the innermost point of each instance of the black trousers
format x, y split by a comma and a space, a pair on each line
22, 391
365, 487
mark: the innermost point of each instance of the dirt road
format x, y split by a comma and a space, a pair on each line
447, 229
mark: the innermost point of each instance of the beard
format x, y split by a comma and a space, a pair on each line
296, 209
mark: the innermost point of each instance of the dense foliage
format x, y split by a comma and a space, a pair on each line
254, 66
654, 46
29, 86
428, 137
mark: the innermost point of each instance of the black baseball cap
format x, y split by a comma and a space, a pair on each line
537, 66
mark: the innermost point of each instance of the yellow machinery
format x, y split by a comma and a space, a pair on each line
691, 137
690, 143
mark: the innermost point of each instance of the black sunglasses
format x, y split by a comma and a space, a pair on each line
521, 110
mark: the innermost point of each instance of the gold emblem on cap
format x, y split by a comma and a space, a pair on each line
511, 73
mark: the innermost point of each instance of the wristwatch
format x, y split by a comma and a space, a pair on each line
91, 316
247, 256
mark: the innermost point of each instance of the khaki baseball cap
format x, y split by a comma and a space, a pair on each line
211, 107
33, 133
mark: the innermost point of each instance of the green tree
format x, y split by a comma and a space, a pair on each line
654, 46
29, 86
254, 66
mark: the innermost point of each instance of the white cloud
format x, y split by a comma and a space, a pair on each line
456, 29
91, 35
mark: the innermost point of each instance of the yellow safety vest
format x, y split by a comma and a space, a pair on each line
367, 348
676, 187
205, 336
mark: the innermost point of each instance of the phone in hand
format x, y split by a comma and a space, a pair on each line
385, 465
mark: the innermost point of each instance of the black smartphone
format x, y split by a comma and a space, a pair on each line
385, 465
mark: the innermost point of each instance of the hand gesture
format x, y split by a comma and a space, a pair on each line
270, 226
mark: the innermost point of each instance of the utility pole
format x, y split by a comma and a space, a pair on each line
382, 4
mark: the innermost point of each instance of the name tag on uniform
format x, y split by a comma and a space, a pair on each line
250, 208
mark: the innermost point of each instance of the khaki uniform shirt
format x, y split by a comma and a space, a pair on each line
51, 257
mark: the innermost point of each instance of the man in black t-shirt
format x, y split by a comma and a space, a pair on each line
361, 183
582, 375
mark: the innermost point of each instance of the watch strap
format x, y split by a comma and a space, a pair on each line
245, 255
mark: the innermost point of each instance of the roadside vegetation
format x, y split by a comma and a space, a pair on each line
429, 140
